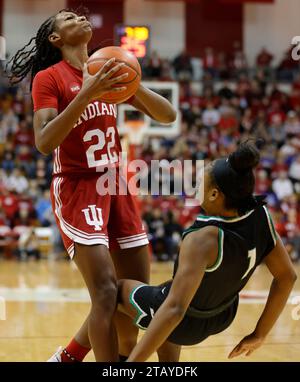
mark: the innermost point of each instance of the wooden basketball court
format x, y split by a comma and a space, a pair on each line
46, 302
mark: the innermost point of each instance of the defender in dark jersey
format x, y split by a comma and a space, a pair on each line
218, 255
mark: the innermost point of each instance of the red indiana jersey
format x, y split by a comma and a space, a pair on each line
94, 141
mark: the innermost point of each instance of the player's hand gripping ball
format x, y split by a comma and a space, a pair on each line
131, 66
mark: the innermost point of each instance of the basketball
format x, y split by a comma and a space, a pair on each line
132, 67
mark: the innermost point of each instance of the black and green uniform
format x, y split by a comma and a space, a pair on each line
243, 243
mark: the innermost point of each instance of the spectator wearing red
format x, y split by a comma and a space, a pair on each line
296, 82
294, 99
19, 104
10, 204
277, 95
243, 86
24, 135
186, 214
209, 97
3, 218
264, 58
194, 99
229, 122
275, 114
263, 182
279, 223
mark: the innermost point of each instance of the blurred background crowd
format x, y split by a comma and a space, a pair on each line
222, 101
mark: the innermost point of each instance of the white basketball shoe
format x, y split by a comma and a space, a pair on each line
57, 356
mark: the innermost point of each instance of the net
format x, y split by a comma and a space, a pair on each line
135, 131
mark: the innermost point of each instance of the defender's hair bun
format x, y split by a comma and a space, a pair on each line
245, 158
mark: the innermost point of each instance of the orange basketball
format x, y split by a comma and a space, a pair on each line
132, 67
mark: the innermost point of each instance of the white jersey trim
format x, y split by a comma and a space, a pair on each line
132, 238
271, 227
132, 244
57, 162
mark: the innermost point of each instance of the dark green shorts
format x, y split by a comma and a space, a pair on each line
147, 300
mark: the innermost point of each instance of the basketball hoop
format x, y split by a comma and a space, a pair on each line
135, 131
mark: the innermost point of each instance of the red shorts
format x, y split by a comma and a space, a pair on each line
83, 216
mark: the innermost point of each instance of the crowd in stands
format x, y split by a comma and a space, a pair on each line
247, 103
221, 66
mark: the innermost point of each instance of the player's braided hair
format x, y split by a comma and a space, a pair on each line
40, 56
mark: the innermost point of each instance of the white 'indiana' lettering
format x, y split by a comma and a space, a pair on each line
97, 108
113, 110
105, 109
94, 110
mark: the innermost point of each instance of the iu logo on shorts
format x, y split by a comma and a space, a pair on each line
93, 217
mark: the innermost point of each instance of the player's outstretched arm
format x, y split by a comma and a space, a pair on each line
198, 251
281, 267
154, 105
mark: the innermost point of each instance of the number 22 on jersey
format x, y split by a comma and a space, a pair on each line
110, 157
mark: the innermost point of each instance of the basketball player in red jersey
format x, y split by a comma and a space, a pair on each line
70, 121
